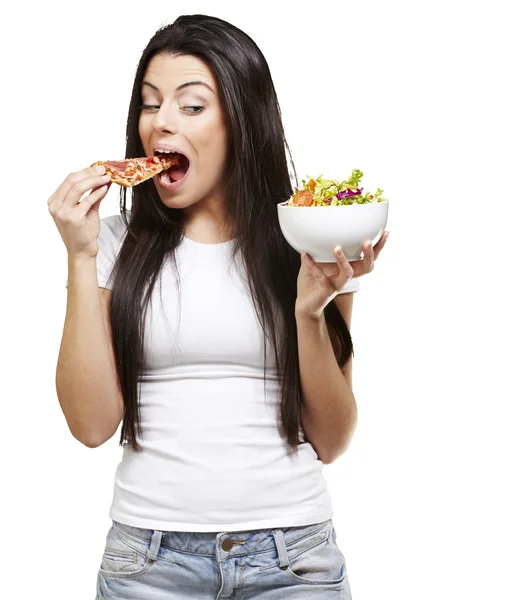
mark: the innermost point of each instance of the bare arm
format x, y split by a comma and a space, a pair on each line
329, 412
86, 379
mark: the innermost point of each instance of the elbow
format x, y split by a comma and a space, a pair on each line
331, 457
96, 439
91, 435
93, 443
88, 440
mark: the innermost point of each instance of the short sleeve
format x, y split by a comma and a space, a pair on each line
111, 235
351, 286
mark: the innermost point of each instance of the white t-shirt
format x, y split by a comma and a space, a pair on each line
212, 457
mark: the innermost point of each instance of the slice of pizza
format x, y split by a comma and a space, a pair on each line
132, 171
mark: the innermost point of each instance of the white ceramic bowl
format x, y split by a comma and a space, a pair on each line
318, 229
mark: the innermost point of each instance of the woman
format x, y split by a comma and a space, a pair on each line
233, 384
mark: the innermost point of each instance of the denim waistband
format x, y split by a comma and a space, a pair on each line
213, 543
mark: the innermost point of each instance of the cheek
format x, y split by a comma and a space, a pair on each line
144, 132
211, 134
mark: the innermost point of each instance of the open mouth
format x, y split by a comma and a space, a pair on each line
176, 173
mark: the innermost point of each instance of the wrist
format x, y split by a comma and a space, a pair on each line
80, 260
351, 286
302, 314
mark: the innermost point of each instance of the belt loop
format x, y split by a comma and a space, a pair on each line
155, 544
281, 548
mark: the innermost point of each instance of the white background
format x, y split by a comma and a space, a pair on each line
413, 94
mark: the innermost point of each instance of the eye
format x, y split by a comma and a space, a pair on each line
194, 109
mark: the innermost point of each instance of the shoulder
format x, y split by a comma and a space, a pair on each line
112, 229
114, 224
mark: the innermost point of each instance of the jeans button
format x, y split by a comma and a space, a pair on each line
227, 544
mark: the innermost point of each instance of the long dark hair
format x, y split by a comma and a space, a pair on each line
258, 180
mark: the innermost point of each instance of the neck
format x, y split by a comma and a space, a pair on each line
208, 224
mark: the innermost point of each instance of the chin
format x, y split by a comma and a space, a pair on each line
176, 200
173, 201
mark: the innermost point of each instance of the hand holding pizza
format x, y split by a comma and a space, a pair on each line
78, 221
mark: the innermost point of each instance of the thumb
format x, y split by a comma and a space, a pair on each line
314, 269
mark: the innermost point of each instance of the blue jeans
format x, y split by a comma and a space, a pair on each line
293, 563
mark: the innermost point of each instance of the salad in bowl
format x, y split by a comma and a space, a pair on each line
342, 215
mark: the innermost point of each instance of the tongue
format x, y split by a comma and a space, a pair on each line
177, 173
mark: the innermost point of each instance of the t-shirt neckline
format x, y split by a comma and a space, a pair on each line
217, 245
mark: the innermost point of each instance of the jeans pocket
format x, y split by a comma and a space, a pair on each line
319, 564
122, 558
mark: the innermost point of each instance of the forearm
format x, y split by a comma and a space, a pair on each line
329, 411
86, 382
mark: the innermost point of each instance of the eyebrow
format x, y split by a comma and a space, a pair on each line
182, 86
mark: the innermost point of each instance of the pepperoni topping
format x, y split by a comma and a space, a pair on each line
118, 165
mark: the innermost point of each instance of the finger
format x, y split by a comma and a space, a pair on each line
345, 269
368, 257
72, 178
315, 270
341, 260
78, 189
59, 196
380, 244
107, 185
330, 285
91, 202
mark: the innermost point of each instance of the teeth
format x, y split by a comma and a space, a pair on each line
165, 151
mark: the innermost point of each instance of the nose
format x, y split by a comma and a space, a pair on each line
164, 121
